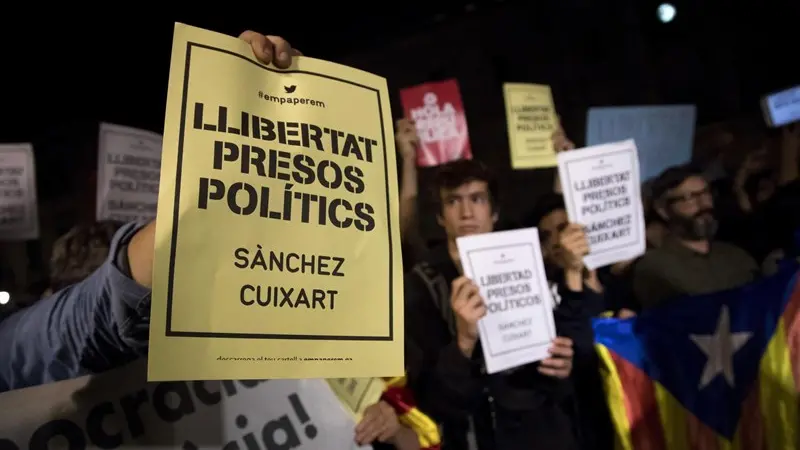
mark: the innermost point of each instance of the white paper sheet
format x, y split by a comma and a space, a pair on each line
128, 173
602, 193
507, 266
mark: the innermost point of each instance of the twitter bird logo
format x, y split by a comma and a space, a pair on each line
289, 89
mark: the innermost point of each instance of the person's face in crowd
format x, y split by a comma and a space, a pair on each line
550, 227
467, 210
689, 210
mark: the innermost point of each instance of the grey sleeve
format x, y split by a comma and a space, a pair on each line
97, 324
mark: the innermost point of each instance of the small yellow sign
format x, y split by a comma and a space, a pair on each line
356, 394
277, 242
531, 119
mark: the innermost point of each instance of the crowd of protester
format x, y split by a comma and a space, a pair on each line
702, 237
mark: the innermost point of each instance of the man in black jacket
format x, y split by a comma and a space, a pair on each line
522, 408
612, 293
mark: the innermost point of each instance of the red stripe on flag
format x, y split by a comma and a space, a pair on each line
791, 321
699, 435
641, 406
751, 424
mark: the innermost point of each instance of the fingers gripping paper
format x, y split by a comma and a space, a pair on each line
277, 247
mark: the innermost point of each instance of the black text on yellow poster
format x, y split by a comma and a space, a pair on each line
531, 122
277, 248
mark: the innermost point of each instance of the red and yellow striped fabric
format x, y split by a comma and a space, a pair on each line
402, 400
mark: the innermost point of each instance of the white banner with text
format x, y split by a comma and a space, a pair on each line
119, 410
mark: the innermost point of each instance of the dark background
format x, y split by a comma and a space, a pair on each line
63, 71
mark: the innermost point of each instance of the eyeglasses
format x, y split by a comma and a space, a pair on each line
690, 196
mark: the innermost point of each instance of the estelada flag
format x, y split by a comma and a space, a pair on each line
708, 372
438, 113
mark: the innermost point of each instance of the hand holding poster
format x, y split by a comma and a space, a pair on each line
507, 266
531, 121
278, 199
602, 193
438, 113
19, 210
128, 167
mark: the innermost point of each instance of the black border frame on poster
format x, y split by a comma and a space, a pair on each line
169, 331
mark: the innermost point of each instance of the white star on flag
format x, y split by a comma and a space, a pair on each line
719, 348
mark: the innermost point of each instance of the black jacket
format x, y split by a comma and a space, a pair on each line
518, 409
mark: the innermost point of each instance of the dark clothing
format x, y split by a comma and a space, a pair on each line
768, 227
589, 409
516, 409
618, 289
784, 216
674, 270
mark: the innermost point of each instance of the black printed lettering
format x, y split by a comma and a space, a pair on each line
206, 397
287, 297
245, 199
327, 157
130, 408
165, 397
65, 429
95, 427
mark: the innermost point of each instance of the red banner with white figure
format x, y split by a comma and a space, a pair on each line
438, 113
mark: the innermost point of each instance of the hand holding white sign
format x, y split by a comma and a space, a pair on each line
572, 247
559, 364
511, 294
468, 306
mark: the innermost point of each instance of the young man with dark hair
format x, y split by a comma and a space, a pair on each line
521, 408
690, 261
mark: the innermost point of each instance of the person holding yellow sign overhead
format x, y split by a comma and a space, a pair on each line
101, 322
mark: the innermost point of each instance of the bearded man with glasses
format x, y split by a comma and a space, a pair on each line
690, 261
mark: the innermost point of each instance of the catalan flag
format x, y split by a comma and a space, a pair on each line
708, 372
402, 400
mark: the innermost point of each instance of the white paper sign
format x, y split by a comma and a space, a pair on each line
784, 106
129, 167
19, 210
507, 267
602, 193
119, 410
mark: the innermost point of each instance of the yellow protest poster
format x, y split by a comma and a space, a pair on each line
277, 241
531, 119
356, 394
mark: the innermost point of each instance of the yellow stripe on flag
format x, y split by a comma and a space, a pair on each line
778, 394
616, 399
426, 429
673, 418
725, 444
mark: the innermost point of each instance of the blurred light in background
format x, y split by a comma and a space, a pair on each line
5, 297
666, 12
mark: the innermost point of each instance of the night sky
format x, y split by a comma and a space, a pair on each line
64, 73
